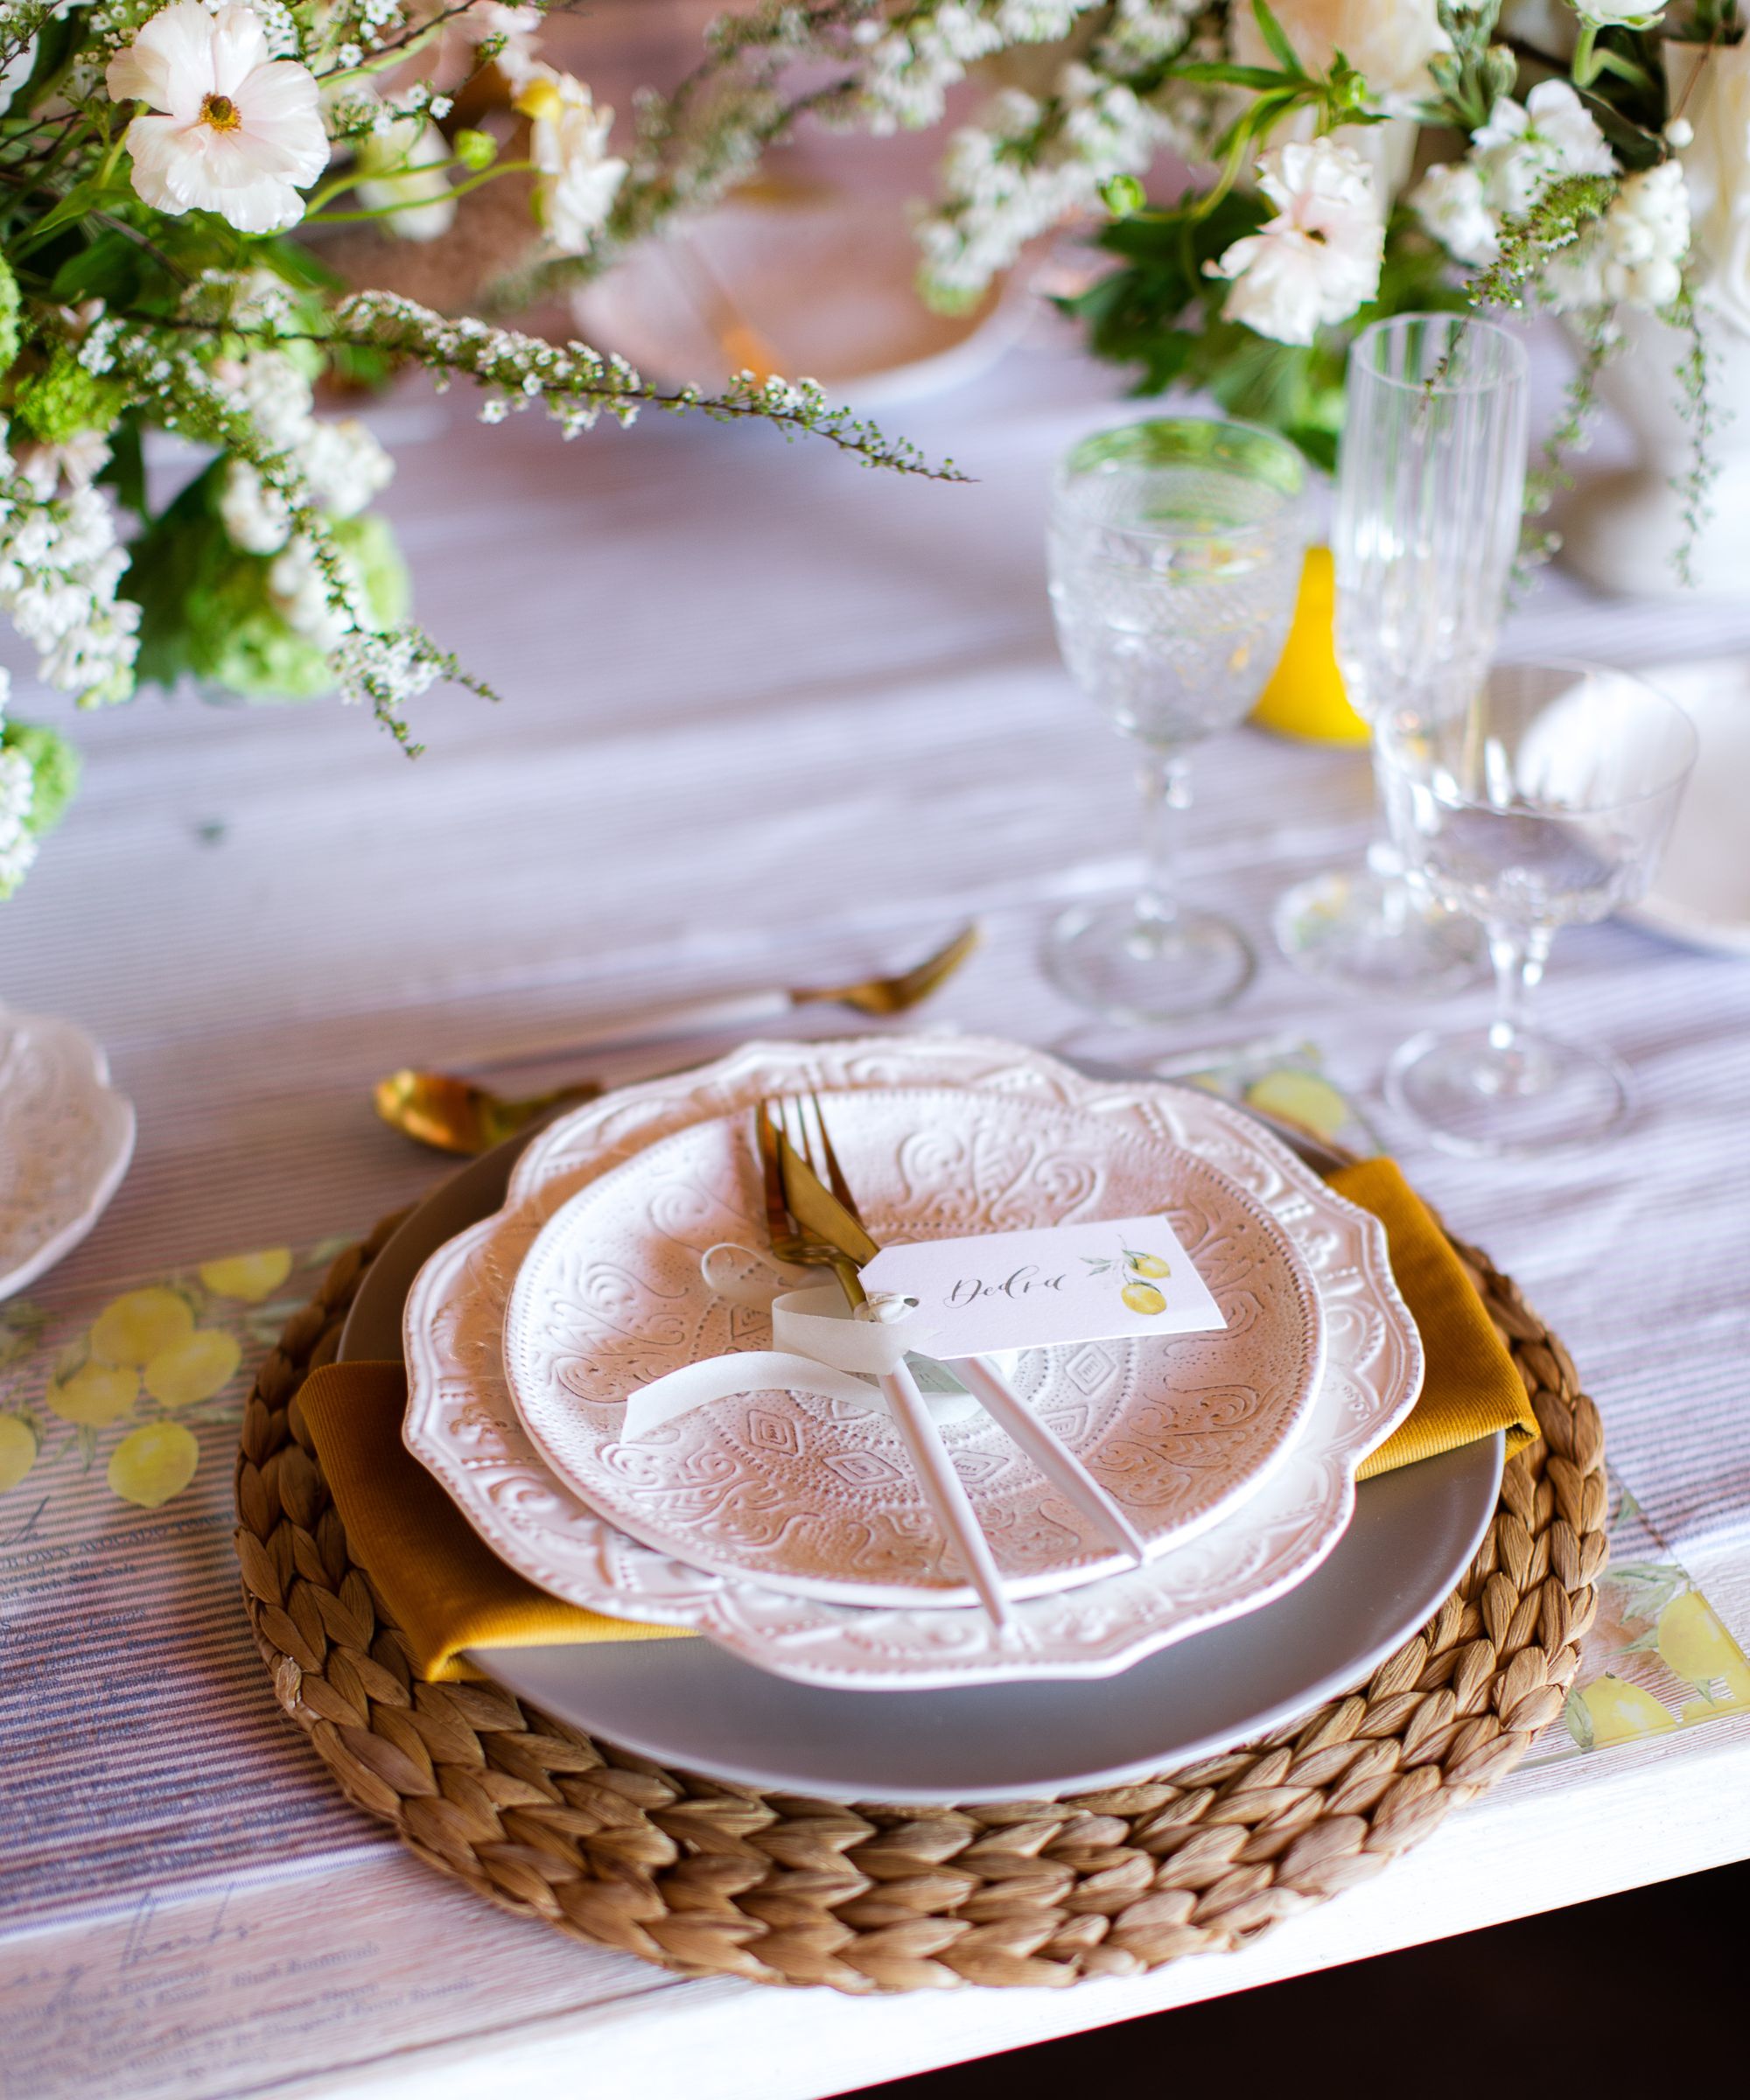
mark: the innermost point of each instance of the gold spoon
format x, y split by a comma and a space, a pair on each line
457, 1115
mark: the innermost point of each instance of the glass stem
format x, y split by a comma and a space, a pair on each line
1385, 862
1162, 776
1518, 954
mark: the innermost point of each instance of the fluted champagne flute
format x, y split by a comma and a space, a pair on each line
1175, 549
1431, 483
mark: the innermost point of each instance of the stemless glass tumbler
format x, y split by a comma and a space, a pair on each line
1545, 802
1174, 551
1430, 481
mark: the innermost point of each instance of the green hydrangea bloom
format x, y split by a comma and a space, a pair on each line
235, 638
65, 399
54, 769
9, 315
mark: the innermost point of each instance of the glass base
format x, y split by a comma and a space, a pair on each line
1470, 1096
1134, 970
1374, 932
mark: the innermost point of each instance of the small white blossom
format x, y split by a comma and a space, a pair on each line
1634, 254
1319, 259
230, 129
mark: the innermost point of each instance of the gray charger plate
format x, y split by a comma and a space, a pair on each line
686, 1703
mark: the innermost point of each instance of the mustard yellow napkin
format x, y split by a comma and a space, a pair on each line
1471, 1387
448, 1591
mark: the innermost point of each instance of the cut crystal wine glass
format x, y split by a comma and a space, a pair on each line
1174, 551
1545, 802
1430, 481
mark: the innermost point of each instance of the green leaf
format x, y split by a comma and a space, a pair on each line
109, 267
87, 1438
1276, 38
126, 471
1219, 72
1578, 1719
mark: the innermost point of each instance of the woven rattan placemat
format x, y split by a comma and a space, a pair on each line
711, 1878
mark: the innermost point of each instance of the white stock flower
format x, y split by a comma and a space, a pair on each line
18, 846
1716, 163
231, 130
401, 172
1635, 252
1319, 258
579, 179
1514, 158
1450, 202
1523, 147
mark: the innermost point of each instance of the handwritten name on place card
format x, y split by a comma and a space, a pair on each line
1046, 1288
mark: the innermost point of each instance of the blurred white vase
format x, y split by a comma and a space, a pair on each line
1621, 530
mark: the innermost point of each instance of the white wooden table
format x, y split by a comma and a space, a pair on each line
717, 652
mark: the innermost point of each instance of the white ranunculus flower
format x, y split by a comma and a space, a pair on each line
1319, 258
232, 129
1716, 163
578, 179
417, 194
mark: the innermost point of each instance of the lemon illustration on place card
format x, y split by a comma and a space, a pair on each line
1613, 1711
153, 1463
139, 1324
1138, 1291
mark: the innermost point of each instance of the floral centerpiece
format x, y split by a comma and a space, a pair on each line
162, 168
1347, 159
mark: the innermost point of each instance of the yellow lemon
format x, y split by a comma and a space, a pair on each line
250, 1277
1148, 1264
1300, 1097
193, 1369
18, 1450
1143, 1298
1692, 1641
1621, 1712
96, 1394
153, 1463
1304, 697
134, 1327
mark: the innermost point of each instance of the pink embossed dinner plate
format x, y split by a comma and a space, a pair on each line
814, 1496
463, 1427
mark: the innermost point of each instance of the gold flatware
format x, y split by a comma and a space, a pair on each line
783, 1168
458, 1116
832, 1215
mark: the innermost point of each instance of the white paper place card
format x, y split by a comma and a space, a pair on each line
1041, 1288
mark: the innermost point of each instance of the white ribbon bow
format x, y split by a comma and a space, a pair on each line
819, 1346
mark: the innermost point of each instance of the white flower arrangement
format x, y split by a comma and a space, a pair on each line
157, 158
1347, 159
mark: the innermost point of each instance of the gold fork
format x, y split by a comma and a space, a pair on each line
942, 1486
1041, 1443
